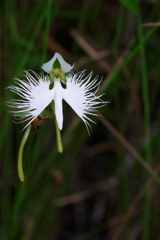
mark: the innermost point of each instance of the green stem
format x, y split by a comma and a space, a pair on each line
59, 138
20, 154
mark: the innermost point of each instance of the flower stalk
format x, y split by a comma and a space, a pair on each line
58, 138
20, 154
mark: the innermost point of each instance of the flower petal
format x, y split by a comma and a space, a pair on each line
80, 94
66, 67
34, 96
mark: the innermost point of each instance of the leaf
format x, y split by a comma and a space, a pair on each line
131, 5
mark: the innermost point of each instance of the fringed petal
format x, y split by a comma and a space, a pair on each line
34, 95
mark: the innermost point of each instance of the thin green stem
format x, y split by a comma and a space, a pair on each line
20, 154
58, 138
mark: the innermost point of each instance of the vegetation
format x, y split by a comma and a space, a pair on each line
105, 185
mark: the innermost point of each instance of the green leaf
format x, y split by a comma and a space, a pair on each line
131, 5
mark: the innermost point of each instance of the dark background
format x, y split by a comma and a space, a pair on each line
105, 185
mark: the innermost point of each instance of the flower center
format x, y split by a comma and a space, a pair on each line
57, 73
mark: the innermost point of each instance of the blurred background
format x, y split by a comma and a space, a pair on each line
105, 185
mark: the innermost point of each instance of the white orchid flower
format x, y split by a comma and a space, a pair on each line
36, 94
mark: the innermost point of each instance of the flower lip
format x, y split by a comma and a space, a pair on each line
66, 67
80, 95
33, 96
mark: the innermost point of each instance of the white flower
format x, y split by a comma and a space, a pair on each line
36, 92
35, 95
66, 67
